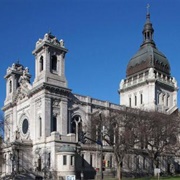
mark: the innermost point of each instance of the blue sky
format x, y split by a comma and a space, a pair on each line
101, 36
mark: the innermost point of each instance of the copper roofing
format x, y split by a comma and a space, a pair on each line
148, 55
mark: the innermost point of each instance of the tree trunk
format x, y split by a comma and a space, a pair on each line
119, 172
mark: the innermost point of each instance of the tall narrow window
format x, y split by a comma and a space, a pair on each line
129, 102
82, 160
54, 63
163, 99
167, 100
72, 161
64, 160
41, 63
135, 100
39, 164
91, 159
144, 163
54, 124
10, 86
49, 159
40, 127
158, 96
141, 98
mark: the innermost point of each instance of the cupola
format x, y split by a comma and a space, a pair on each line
148, 56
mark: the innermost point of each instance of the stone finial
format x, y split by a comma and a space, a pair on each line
175, 82
61, 43
121, 84
46, 37
151, 73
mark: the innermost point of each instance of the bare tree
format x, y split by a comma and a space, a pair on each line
158, 134
132, 131
119, 133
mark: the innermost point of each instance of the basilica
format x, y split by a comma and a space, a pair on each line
43, 118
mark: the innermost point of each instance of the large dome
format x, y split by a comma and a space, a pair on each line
148, 55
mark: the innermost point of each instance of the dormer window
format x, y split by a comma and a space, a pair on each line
54, 63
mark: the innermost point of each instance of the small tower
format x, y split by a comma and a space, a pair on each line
148, 84
12, 77
50, 86
49, 61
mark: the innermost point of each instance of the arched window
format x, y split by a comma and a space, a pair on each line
54, 124
76, 128
76, 120
10, 86
41, 61
54, 63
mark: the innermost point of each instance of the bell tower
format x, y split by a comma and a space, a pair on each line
12, 77
49, 61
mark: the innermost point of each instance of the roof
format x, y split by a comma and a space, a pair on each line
67, 148
148, 56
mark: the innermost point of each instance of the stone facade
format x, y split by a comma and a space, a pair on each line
44, 117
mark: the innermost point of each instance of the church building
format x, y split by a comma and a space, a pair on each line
43, 119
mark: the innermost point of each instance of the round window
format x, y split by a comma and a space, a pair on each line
25, 126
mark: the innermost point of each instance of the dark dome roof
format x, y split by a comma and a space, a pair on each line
148, 55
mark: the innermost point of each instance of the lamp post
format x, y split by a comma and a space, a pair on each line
101, 150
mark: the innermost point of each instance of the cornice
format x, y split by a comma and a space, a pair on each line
51, 88
7, 106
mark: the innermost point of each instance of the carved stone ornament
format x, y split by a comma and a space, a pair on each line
20, 95
56, 103
38, 103
24, 78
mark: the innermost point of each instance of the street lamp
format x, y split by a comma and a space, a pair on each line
101, 150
